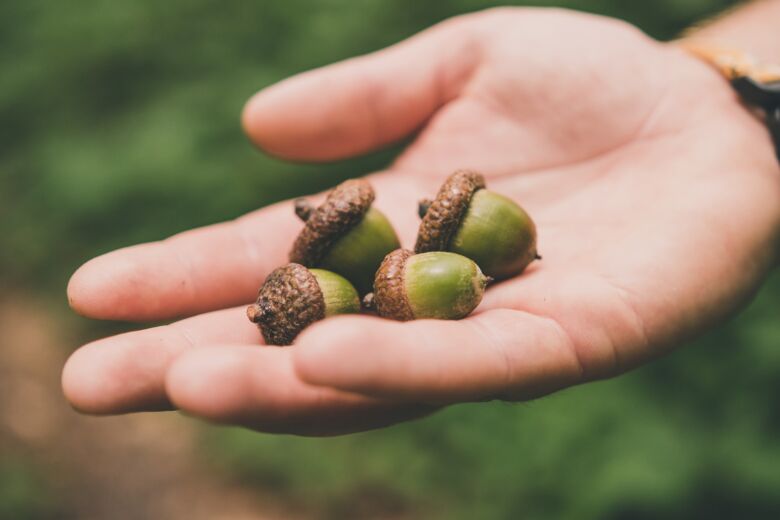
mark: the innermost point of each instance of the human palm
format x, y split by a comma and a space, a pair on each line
656, 197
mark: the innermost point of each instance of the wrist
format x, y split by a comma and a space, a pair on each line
742, 45
752, 28
757, 83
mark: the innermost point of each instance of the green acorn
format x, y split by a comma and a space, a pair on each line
293, 297
345, 234
487, 227
437, 285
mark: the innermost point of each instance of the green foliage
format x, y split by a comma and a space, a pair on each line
23, 495
120, 125
120, 121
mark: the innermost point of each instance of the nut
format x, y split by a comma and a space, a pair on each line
293, 297
437, 285
345, 234
485, 226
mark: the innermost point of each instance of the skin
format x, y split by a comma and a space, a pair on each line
655, 193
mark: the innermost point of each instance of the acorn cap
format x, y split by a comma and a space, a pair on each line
390, 297
289, 301
344, 207
443, 215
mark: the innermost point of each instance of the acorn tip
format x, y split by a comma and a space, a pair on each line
423, 206
302, 208
254, 312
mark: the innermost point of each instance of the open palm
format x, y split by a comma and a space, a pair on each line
656, 197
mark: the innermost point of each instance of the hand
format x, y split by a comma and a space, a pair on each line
656, 196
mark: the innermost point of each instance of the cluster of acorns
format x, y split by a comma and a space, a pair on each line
468, 237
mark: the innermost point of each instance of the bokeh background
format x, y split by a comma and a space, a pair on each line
119, 124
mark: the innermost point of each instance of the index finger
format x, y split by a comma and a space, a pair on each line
196, 271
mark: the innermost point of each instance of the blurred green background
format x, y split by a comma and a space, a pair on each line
119, 124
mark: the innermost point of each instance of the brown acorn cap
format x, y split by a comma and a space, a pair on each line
289, 301
390, 298
442, 217
343, 209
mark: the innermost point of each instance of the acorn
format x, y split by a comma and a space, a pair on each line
438, 285
293, 297
345, 234
491, 229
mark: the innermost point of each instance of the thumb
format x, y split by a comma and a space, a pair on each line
363, 103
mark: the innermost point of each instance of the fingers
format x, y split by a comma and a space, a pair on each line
200, 270
215, 266
498, 353
126, 373
244, 383
366, 102
258, 388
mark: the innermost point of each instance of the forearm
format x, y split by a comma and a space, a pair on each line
753, 28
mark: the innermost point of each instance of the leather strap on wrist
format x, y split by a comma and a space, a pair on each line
732, 63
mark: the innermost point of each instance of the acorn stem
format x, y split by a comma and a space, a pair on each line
489, 280
255, 313
303, 208
423, 207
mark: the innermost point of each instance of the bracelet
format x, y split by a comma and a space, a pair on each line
757, 84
